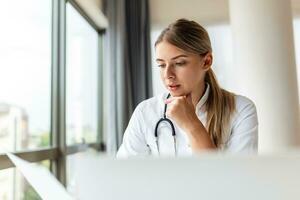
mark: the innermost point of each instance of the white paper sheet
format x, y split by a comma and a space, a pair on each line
44, 183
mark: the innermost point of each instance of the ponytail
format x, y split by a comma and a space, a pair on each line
220, 106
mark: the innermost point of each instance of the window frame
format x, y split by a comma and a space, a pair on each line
58, 151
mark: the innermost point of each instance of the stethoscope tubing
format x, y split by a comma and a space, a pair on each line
165, 119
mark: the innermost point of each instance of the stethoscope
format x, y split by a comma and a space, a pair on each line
165, 119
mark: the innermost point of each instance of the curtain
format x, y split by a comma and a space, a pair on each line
127, 69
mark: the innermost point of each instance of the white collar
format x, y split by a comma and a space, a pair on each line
203, 98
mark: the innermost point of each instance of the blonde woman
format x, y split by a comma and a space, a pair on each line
196, 114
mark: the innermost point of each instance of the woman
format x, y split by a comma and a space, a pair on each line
204, 116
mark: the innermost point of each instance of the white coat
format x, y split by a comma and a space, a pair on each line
139, 136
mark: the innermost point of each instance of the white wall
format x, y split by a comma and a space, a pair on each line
297, 47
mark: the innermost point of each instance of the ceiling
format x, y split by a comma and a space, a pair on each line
203, 11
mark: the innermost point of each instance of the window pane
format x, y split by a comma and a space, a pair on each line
81, 86
25, 74
13, 186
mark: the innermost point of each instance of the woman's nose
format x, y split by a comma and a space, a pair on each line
169, 72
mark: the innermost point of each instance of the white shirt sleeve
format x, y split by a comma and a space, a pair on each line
134, 142
244, 132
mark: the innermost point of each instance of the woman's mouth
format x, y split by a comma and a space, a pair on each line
173, 88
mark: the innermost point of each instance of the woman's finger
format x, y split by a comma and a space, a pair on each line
171, 99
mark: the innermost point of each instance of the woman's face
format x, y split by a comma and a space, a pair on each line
181, 72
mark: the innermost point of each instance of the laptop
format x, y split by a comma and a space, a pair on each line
209, 177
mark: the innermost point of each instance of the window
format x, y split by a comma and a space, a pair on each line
46, 105
25, 74
82, 75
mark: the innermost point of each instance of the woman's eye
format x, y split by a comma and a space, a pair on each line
161, 65
180, 63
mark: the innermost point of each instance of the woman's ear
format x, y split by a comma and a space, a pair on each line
208, 59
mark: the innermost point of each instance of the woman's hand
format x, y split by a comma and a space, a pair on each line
182, 111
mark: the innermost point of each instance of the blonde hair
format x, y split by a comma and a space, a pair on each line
220, 105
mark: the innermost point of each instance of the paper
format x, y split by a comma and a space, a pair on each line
44, 183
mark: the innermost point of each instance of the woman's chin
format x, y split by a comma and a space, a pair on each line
177, 93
